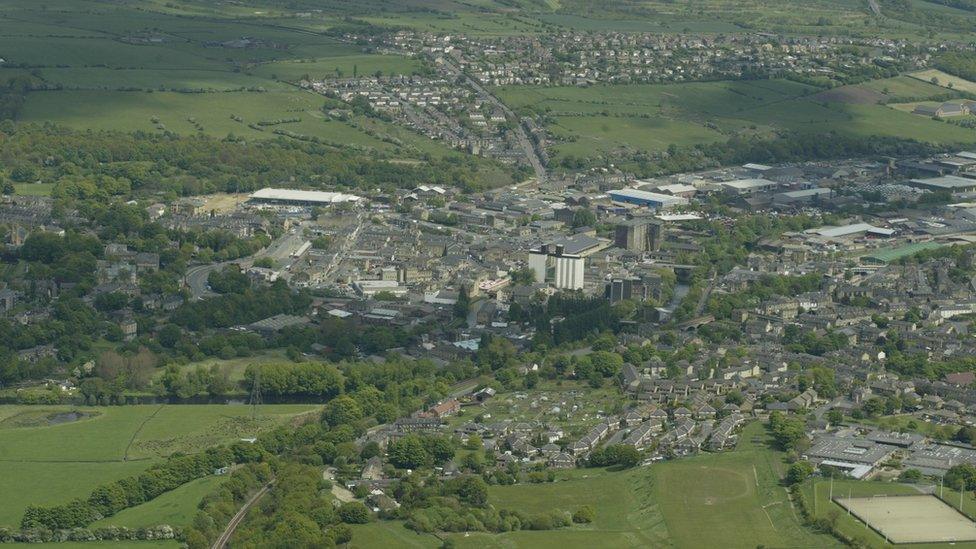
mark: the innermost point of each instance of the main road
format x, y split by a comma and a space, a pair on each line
523, 139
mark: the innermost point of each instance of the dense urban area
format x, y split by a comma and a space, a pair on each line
499, 273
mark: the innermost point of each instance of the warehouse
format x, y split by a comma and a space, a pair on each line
292, 197
951, 183
648, 199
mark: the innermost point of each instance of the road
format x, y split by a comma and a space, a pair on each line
523, 139
279, 250
234, 522
873, 4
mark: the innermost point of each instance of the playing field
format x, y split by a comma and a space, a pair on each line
912, 519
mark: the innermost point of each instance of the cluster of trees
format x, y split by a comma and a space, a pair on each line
295, 515
786, 147
198, 164
415, 451
234, 309
461, 505
106, 500
581, 317
319, 379
616, 454
219, 506
789, 433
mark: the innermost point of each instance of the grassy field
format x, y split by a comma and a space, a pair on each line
944, 80
732, 499
23, 483
49, 464
627, 118
176, 508
713, 500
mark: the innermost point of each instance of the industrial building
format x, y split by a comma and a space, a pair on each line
748, 186
639, 235
292, 197
646, 199
553, 264
952, 183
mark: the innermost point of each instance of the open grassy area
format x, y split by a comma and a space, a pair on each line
731, 499
49, 464
624, 119
23, 483
944, 80
175, 508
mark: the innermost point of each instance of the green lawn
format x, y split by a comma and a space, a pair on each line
33, 189
176, 508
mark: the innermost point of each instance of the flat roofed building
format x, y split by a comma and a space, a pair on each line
294, 197
645, 198
749, 186
952, 183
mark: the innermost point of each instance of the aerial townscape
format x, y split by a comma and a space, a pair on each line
487, 274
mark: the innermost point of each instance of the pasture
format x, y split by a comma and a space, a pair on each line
623, 119
944, 80
176, 508
47, 463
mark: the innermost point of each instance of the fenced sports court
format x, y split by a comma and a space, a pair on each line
911, 519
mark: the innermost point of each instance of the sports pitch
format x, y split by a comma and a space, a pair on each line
911, 519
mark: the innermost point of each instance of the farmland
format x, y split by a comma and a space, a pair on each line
44, 463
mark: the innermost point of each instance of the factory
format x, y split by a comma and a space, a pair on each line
647, 199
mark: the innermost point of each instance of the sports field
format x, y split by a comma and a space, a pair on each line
912, 519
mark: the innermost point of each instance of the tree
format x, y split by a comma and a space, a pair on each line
463, 305
798, 472
583, 218
408, 452
835, 416
584, 515
961, 477
353, 512
342, 410
910, 475
472, 490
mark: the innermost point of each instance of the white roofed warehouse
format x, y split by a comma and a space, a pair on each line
292, 197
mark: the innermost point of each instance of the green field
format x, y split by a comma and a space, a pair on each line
176, 508
49, 464
623, 119
712, 500
732, 499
